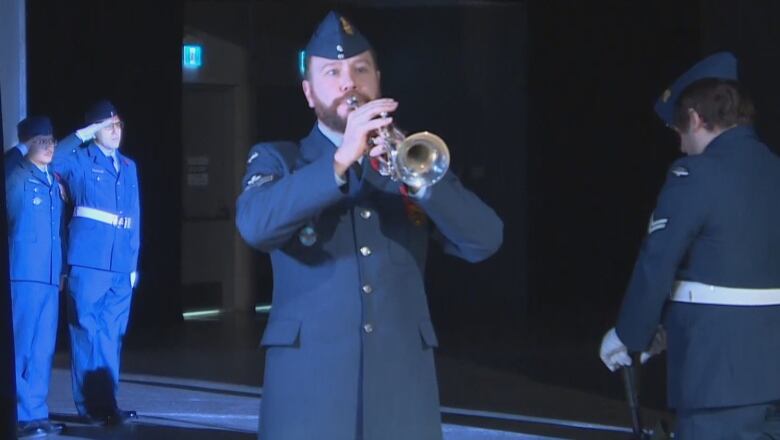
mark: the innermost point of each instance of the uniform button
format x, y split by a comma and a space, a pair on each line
366, 214
365, 251
368, 328
367, 288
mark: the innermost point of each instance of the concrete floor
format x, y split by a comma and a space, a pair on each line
171, 408
203, 381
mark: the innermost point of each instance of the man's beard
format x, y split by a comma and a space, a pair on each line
329, 115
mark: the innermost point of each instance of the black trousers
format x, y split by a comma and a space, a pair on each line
750, 422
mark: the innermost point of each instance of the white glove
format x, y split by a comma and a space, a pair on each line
88, 133
613, 352
657, 346
133, 279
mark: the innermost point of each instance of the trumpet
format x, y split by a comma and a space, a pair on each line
418, 160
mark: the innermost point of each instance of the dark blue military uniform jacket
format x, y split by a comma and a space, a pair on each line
34, 214
93, 182
717, 222
350, 334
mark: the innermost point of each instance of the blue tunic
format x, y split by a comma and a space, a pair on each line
34, 214
716, 222
93, 182
349, 339
34, 209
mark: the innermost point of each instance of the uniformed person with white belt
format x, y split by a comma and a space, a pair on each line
34, 207
709, 268
102, 254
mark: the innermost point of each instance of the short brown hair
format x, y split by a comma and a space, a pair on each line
720, 103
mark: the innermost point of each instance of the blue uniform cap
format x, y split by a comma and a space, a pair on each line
100, 111
336, 38
34, 126
721, 65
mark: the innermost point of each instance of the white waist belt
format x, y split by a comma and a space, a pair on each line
103, 217
698, 293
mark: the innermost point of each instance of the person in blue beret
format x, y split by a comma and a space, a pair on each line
103, 246
34, 211
349, 342
705, 285
27, 130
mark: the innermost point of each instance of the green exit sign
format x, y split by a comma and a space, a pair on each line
192, 56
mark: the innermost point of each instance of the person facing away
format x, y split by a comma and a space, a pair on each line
707, 270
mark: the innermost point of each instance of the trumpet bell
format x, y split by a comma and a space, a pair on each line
422, 159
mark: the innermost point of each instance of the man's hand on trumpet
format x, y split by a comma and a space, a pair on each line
361, 123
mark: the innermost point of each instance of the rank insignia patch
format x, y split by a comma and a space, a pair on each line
656, 225
258, 180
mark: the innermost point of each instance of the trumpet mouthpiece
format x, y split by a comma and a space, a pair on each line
352, 102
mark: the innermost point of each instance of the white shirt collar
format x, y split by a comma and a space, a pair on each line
332, 135
107, 151
335, 137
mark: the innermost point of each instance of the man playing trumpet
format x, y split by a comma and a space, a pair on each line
349, 340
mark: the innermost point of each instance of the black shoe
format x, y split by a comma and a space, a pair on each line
112, 418
38, 429
29, 430
50, 428
119, 417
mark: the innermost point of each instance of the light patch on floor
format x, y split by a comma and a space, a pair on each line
217, 408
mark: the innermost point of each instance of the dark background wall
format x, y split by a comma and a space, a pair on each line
130, 53
598, 154
751, 30
547, 106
